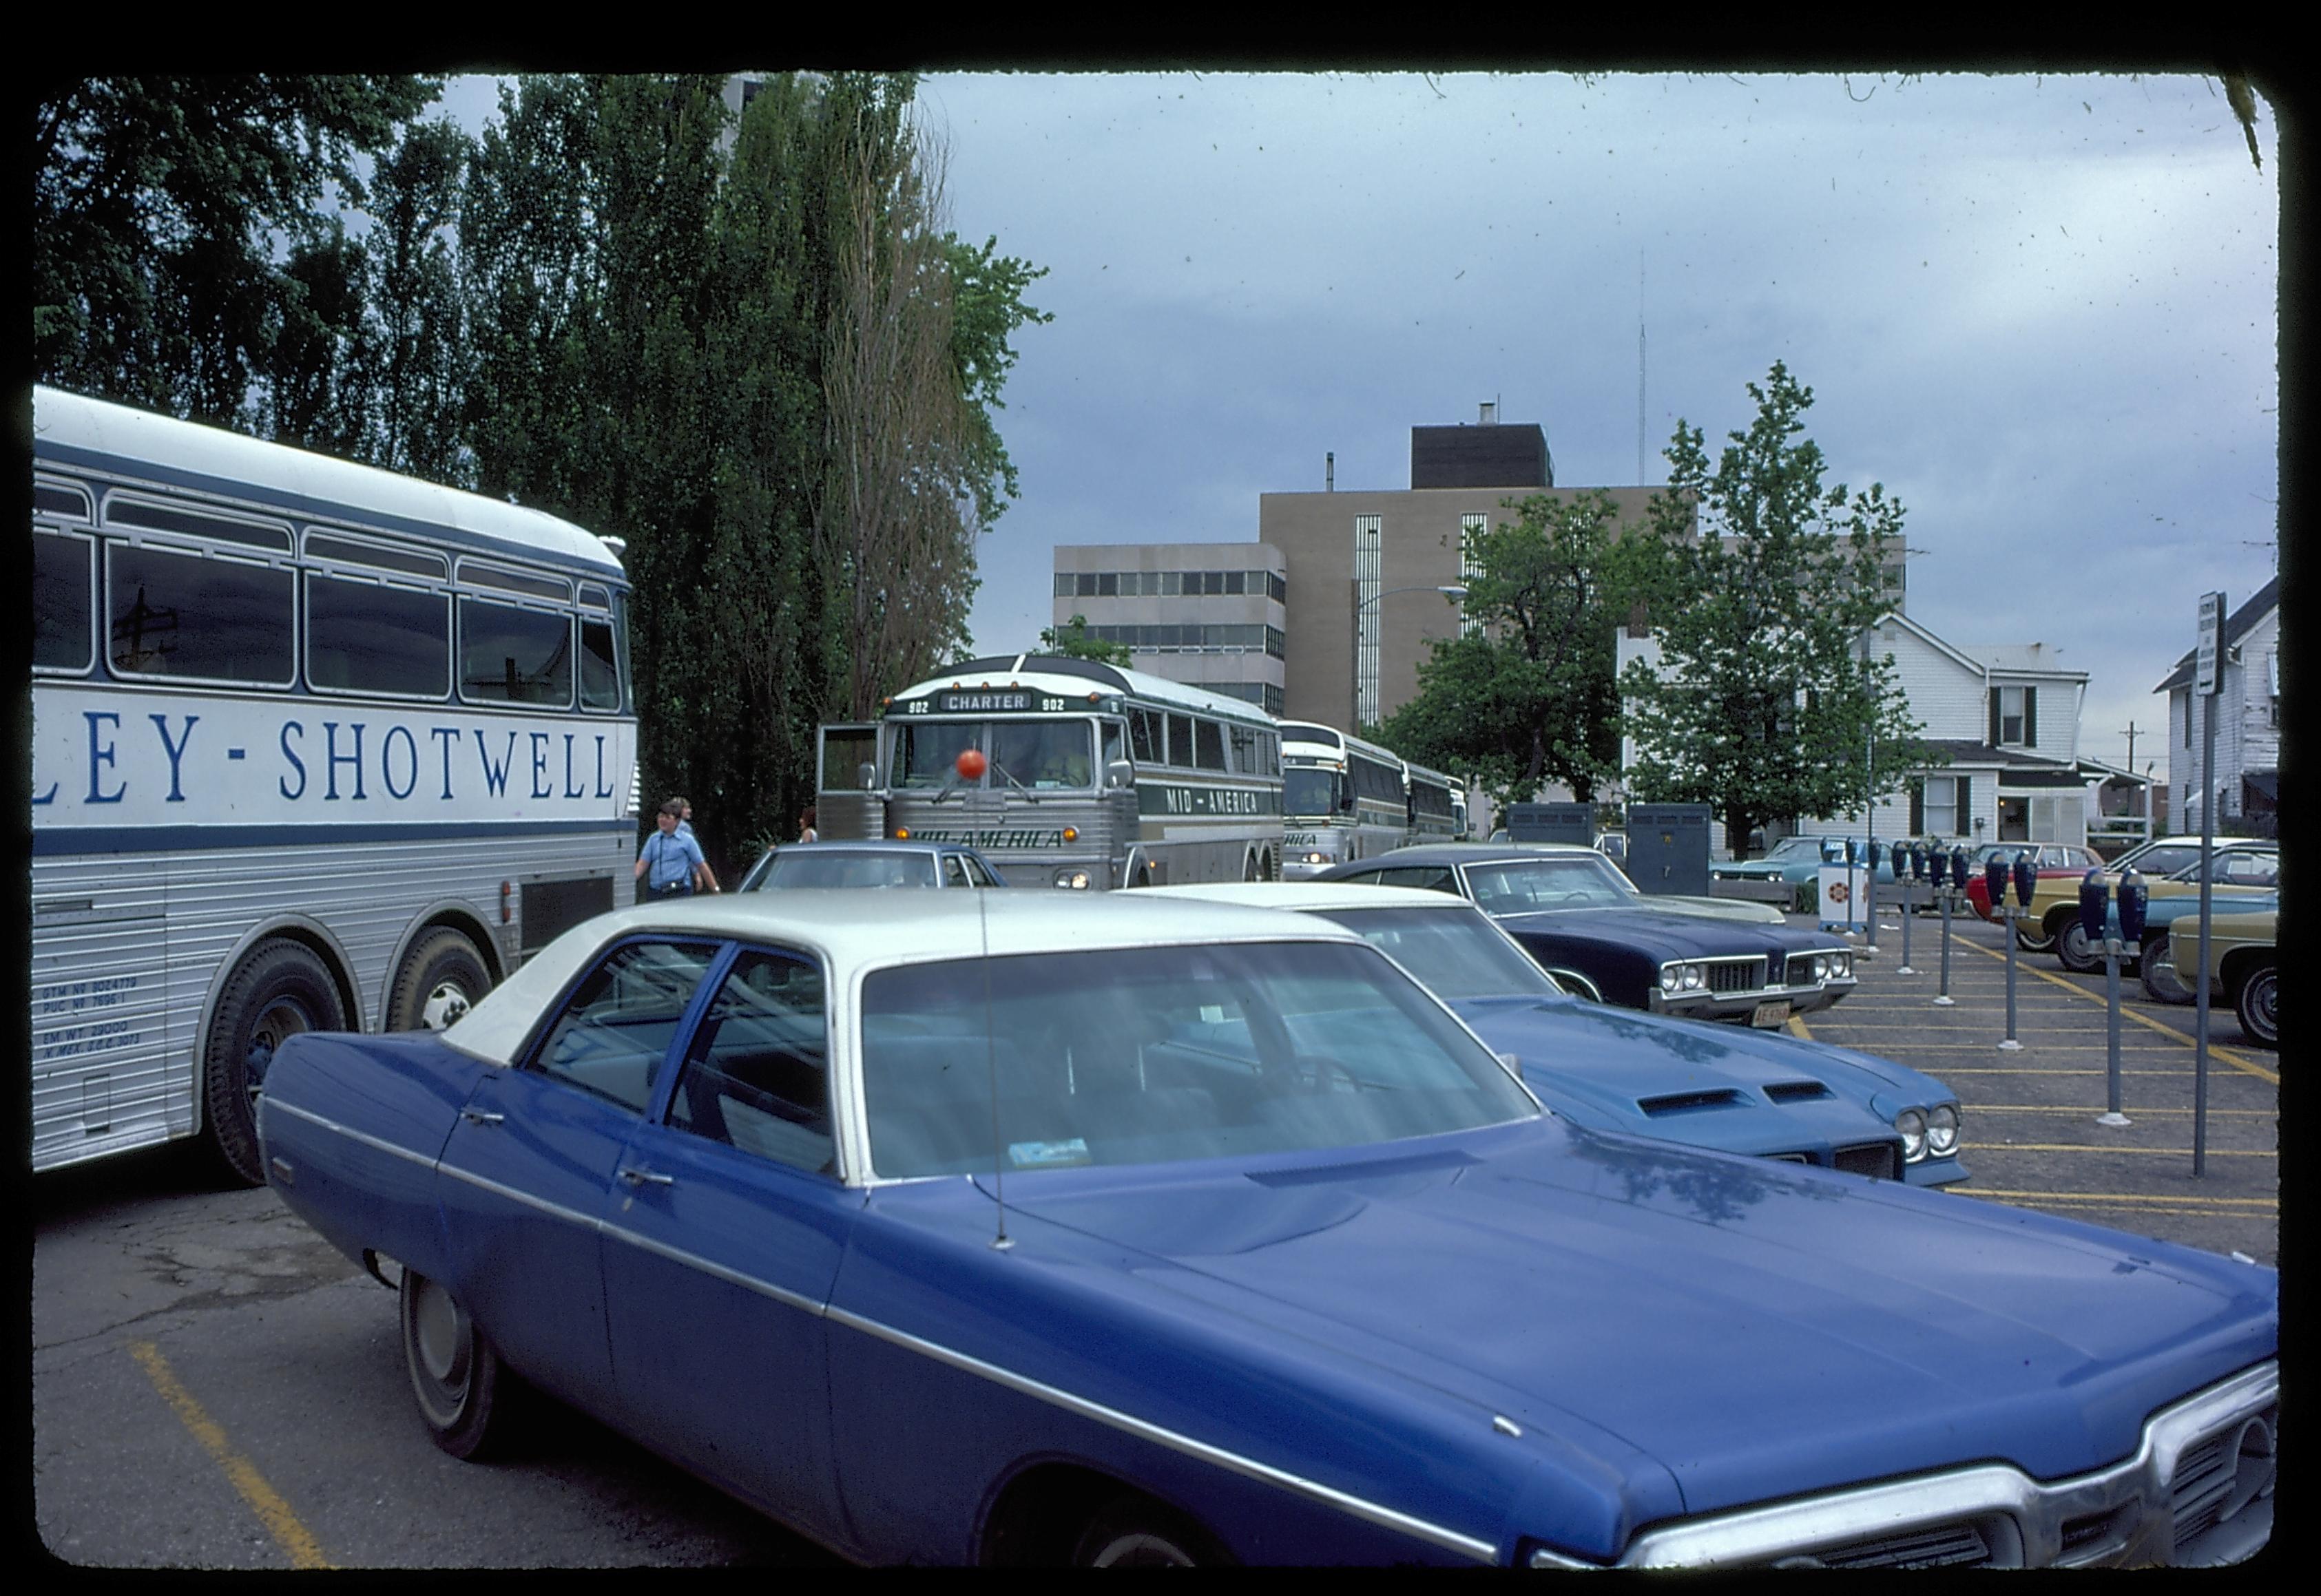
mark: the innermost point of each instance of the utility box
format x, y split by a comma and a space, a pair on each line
1574, 823
1668, 849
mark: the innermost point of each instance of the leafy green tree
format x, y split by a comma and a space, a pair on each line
1766, 700
315, 386
165, 212
1073, 641
417, 361
1528, 697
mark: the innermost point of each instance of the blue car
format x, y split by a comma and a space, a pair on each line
1028, 1228
1763, 1094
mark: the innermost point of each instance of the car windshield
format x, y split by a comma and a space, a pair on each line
1455, 953
2236, 869
1306, 792
1516, 886
1158, 1055
2159, 858
810, 866
1797, 847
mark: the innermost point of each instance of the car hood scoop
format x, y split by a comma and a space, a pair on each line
1759, 1329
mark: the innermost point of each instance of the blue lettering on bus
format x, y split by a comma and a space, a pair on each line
334, 758
51, 795
447, 738
101, 754
495, 775
569, 789
296, 764
604, 789
540, 765
387, 768
176, 750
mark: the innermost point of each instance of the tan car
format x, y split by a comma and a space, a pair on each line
2243, 971
2245, 867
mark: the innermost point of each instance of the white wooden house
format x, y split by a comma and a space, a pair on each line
2248, 723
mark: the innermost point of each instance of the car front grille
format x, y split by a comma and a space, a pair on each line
1876, 1159
1736, 974
1942, 1546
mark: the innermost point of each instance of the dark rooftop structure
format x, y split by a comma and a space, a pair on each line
1484, 455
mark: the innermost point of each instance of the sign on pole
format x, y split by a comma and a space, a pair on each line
2212, 639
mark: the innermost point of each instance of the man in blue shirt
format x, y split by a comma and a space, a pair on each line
673, 859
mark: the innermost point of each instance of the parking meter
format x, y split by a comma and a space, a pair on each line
1918, 861
2095, 895
2027, 878
1874, 852
1958, 866
2133, 895
1994, 877
1938, 867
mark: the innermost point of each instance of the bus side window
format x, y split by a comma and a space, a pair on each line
1209, 745
1180, 741
1145, 738
64, 603
1112, 745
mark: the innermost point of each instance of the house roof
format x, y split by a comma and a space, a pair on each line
2020, 659
2237, 625
1968, 750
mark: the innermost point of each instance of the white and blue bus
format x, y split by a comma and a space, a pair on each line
1345, 798
1095, 776
1438, 808
314, 747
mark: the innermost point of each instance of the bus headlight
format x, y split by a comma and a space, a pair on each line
1076, 879
1912, 1124
1943, 1131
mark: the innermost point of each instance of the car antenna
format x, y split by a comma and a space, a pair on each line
1001, 1242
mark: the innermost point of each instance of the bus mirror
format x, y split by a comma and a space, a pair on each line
1120, 773
865, 775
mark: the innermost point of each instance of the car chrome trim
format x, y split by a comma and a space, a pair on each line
2038, 1509
748, 1283
501, 1189
1387, 1518
267, 1105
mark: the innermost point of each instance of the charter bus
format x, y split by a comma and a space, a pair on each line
314, 747
1438, 809
1092, 776
1345, 798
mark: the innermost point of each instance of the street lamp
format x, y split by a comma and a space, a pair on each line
1453, 591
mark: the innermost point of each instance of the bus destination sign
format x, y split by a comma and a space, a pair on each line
987, 701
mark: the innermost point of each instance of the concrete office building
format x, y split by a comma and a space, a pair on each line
1211, 615
1364, 563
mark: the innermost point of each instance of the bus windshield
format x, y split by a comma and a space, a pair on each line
1307, 791
1029, 754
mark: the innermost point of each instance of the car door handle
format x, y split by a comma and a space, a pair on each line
643, 1177
481, 1116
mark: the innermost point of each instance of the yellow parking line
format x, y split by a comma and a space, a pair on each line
2139, 1210
2073, 1108
304, 1550
2076, 1147
2227, 1054
2267, 1204
1797, 1028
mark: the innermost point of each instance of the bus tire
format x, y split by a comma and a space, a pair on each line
442, 977
280, 989
1249, 871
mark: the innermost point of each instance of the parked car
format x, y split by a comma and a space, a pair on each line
2244, 867
2172, 925
2049, 858
1017, 1227
1590, 929
2243, 970
1759, 1092
869, 865
1795, 862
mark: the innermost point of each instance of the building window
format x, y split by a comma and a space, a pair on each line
2013, 717
1369, 560
1471, 527
1941, 809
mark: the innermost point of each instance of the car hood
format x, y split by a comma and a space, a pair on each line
1758, 1329
1746, 911
1625, 1059
1662, 934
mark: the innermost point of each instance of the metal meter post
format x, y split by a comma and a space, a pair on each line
2207, 679
1994, 877
1938, 865
1909, 866
2096, 920
1869, 894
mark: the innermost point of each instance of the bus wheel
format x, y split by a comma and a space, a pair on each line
1249, 866
281, 989
441, 978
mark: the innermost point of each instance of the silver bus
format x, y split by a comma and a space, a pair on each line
1345, 798
314, 747
1438, 808
1087, 775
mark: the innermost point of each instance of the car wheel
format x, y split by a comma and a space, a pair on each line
1137, 1532
441, 978
280, 989
2075, 952
2254, 1006
458, 1378
2162, 983
2032, 940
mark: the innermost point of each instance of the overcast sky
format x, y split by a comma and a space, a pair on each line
2039, 310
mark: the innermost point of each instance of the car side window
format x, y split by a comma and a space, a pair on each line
977, 874
1433, 877
616, 1028
2248, 869
955, 871
756, 1076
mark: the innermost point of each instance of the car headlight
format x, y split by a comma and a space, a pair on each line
1943, 1131
1912, 1124
1077, 880
1840, 966
1696, 976
1821, 967
1671, 978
